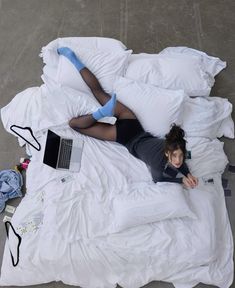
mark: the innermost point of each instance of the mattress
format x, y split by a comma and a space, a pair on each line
66, 219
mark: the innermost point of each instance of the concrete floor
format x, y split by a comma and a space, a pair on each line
142, 25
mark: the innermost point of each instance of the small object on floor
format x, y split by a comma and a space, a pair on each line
18, 168
231, 168
6, 218
24, 163
227, 192
10, 209
224, 183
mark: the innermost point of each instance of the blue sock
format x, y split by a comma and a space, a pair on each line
106, 110
68, 53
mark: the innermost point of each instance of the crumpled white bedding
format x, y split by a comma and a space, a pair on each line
65, 227
68, 226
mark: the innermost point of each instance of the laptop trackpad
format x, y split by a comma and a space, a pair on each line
76, 156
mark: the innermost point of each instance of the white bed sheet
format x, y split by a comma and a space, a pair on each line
63, 239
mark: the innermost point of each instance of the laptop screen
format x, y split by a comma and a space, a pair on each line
51, 149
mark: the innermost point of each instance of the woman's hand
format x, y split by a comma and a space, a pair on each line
193, 179
187, 183
190, 181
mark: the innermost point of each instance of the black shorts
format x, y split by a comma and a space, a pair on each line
127, 129
142, 145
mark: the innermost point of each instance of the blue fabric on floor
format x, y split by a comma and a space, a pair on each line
11, 182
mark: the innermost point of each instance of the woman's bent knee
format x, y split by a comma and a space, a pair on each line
82, 122
73, 124
77, 125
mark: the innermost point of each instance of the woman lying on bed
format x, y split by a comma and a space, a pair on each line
165, 157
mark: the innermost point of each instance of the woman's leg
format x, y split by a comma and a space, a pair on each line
121, 111
88, 126
81, 122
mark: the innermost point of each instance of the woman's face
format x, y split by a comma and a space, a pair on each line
176, 158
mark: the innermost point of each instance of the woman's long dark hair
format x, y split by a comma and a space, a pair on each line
175, 140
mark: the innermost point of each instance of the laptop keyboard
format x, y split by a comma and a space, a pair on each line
65, 153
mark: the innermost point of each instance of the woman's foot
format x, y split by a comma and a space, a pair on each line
107, 110
69, 54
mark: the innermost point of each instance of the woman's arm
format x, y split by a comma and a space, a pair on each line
159, 177
184, 169
182, 180
169, 179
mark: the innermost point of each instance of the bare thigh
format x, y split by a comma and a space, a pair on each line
102, 131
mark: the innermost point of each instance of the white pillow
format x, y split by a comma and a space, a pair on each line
49, 72
51, 57
70, 102
226, 128
203, 116
212, 65
156, 108
49, 52
147, 203
104, 65
172, 71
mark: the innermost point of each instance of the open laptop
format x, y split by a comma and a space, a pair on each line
63, 154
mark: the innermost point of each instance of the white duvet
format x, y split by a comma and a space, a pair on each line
65, 227
67, 220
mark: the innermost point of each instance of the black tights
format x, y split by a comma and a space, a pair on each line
86, 124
